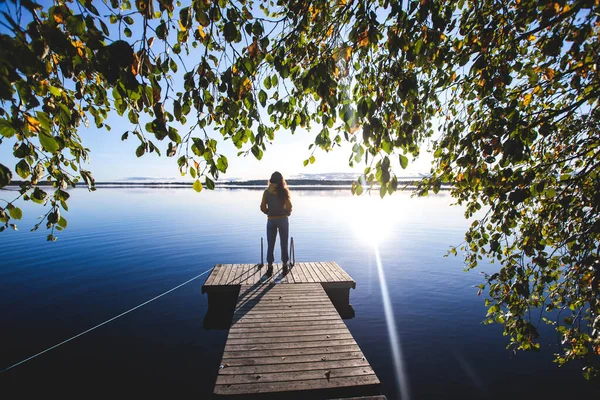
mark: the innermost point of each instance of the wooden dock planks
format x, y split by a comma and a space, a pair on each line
329, 274
289, 337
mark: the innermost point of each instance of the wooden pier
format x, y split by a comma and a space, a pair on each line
286, 335
228, 276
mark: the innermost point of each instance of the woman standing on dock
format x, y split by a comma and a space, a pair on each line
277, 205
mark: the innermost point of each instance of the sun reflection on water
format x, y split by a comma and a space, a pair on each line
373, 221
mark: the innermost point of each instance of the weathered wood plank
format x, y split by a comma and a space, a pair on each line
308, 306
213, 275
297, 345
294, 326
326, 272
378, 397
219, 278
299, 273
295, 277
342, 271
284, 299
245, 334
297, 318
302, 366
283, 314
299, 340
308, 269
223, 379
225, 275
350, 355
334, 272
317, 270
267, 387
323, 351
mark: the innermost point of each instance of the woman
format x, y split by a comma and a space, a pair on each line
277, 205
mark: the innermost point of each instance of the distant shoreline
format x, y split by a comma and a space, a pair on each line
308, 184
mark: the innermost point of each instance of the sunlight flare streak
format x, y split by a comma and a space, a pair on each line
399, 370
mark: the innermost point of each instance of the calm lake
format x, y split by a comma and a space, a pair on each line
124, 246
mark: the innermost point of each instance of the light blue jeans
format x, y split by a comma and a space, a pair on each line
273, 225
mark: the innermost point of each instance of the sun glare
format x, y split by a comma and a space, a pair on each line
372, 219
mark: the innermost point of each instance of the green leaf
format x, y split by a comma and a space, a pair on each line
198, 186
38, 195
262, 97
403, 161
141, 149
257, 151
15, 212
230, 31
48, 142
209, 183
174, 136
62, 222
5, 176
177, 110
61, 195
23, 169
6, 128
222, 164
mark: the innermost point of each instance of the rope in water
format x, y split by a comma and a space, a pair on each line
104, 323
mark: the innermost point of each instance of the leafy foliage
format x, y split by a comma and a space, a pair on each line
505, 93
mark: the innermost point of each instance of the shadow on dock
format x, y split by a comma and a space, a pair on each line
221, 305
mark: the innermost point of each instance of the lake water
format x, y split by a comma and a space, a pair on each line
124, 246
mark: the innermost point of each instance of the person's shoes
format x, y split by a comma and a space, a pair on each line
285, 268
270, 270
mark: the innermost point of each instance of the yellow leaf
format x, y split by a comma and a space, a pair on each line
181, 27
245, 87
550, 73
79, 46
253, 48
33, 124
531, 38
135, 66
453, 77
363, 38
527, 99
537, 89
201, 31
347, 53
59, 18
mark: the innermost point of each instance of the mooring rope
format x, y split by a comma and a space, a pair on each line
104, 323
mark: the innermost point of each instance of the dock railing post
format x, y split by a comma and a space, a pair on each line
292, 251
261, 252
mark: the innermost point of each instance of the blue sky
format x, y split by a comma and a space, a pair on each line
113, 159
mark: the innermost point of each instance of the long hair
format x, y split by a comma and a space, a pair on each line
282, 190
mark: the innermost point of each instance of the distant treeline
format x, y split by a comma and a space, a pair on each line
248, 183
